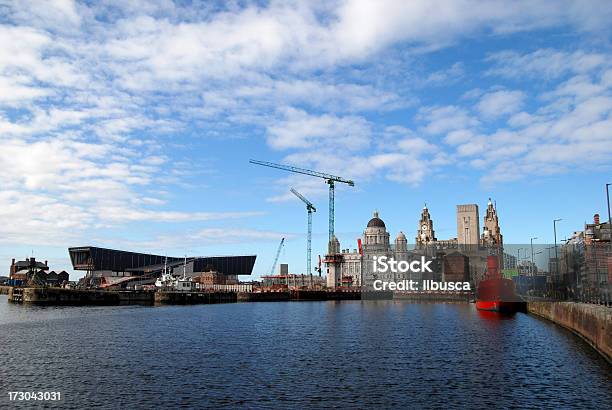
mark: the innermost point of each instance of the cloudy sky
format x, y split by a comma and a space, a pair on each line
129, 124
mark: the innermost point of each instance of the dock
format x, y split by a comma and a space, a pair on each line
50, 296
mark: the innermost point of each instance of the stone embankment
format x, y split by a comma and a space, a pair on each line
593, 323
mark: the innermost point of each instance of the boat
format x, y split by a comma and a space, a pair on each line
167, 281
496, 293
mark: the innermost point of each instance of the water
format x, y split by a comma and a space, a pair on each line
301, 354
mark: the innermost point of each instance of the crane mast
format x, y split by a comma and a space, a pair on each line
310, 208
329, 179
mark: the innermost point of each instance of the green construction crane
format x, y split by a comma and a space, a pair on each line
329, 179
310, 208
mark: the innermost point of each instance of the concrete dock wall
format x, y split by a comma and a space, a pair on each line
193, 298
593, 323
59, 296
282, 296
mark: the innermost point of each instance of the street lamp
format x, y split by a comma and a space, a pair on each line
556, 255
532, 264
609, 225
518, 258
609, 219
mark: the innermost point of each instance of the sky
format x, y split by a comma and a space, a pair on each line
130, 124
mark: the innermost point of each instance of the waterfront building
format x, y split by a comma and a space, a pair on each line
585, 262
509, 262
456, 267
26, 269
347, 268
31, 271
468, 227
355, 268
115, 268
375, 245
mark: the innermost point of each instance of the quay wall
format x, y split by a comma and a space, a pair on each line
4, 290
281, 296
434, 296
593, 323
59, 296
193, 298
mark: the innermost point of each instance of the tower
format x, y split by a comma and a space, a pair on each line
491, 233
401, 247
333, 262
425, 231
468, 226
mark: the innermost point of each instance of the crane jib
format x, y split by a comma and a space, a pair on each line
304, 171
329, 179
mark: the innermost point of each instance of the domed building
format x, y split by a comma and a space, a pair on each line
355, 268
375, 235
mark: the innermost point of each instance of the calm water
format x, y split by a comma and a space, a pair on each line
308, 354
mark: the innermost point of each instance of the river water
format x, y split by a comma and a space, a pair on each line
298, 355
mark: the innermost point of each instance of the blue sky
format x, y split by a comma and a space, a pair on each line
130, 124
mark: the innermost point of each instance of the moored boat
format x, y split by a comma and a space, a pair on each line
496, 293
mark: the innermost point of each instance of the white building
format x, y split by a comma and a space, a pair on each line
352, 268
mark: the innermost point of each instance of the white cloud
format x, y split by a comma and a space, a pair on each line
440, 120
298, 129
447, 76
208, 236
545, 64
498, 103
57, 189
88, 92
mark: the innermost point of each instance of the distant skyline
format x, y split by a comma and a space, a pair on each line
129, 125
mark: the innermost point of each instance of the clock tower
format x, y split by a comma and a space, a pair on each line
492, 234
425, 232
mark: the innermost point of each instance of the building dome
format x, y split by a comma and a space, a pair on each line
376, 222
401, 236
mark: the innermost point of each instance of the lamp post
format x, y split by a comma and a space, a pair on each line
608, 198
609, 231
556, 254
532, 263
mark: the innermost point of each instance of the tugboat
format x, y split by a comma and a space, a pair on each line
496, 293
